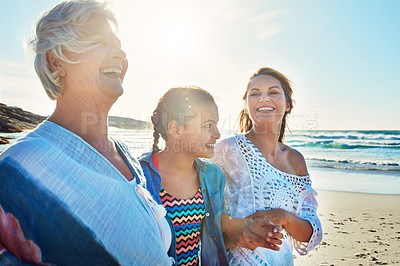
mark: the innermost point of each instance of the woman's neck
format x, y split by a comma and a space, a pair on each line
265, 138
88, 123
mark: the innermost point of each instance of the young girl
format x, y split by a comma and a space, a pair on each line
267, 176
191, 189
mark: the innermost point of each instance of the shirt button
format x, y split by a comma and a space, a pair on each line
204, 190
223, 261
214, 238
207, 214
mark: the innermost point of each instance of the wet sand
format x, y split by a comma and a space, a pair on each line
359, 229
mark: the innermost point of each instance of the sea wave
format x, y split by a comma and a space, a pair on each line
349, 137
353, 161
353, 164
330, 144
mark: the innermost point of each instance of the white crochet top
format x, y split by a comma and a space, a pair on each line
253, 184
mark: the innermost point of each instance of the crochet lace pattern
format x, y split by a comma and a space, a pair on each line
273, 188
254, 184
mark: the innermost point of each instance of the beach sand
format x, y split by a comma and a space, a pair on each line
359, 229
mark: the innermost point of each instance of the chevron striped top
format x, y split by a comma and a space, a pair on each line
186, 215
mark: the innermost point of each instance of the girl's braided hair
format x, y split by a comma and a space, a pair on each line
175, 104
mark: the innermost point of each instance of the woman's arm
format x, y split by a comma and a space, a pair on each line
298, 226
12, 239
300, 229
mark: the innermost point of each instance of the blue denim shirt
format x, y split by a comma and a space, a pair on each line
212, 183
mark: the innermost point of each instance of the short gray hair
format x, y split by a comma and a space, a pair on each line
63, 29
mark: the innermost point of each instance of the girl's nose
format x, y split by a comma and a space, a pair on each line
216, 133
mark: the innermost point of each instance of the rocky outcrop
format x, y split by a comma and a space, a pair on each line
14, 119
5, 140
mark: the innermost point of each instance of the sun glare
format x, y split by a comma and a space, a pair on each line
170, 31
177, 37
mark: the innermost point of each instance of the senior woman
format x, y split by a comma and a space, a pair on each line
76, 193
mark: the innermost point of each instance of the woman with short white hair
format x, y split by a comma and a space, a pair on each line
76, 193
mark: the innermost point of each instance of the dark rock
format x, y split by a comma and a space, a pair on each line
4, 140
14, 119
8, 128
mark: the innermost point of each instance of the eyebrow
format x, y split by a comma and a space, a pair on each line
209, 120
273, 87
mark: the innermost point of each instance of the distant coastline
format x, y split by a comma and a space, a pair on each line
15, 120
128, 123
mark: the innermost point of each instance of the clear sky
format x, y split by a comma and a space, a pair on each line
342, 56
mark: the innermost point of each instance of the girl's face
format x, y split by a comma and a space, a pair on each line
266, 102
200, 133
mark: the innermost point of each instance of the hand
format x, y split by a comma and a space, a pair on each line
248, 233
12, 238
276, 216
300, 229
261, 230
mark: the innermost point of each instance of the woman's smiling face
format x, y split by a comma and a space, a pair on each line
266, 101
101, 69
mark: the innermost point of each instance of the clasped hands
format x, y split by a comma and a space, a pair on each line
251, 232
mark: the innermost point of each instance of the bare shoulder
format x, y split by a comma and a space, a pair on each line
296, 160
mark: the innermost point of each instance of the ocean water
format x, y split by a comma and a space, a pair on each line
355, 161
353, 150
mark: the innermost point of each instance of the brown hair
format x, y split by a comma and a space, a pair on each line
245, 123
173, 105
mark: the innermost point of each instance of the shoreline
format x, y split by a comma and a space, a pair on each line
332, 179
384, 182
358, 229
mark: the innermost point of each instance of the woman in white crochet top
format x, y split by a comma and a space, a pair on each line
267, 179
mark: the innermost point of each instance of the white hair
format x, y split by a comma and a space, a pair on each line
63, 29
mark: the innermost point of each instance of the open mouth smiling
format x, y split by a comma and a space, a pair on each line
111, 71
261, 109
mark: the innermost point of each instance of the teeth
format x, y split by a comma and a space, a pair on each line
113, 71
265, 109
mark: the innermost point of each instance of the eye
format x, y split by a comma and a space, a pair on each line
98, 39
103, 41
273, 92
208, 126
254, 93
